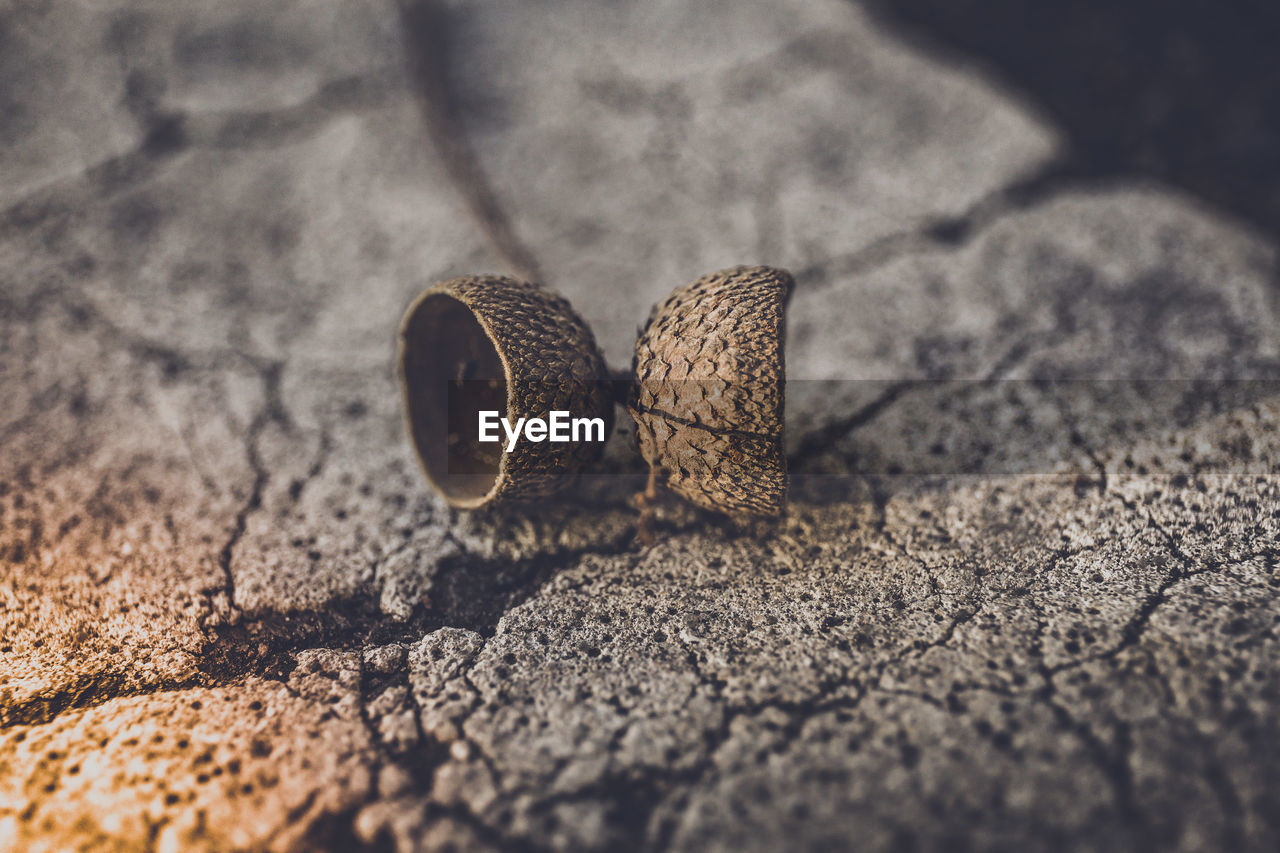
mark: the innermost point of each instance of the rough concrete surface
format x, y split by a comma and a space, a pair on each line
1017, 602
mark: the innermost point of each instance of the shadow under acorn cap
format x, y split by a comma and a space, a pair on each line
479, 343
709, 397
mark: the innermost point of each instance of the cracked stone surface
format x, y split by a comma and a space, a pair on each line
1024, 595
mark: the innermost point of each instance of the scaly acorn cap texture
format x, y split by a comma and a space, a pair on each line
493, 343
708, 398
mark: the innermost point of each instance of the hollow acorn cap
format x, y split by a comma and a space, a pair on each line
708, 399
492, 343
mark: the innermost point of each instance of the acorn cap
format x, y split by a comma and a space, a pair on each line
480, 343
708, 399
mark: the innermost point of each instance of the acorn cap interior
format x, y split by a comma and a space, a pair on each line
452, 371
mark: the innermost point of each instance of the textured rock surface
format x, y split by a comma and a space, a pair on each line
1027, 614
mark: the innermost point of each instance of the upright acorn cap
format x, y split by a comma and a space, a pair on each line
493, 343
708, 399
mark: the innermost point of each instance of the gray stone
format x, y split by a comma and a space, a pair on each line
1024, 593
